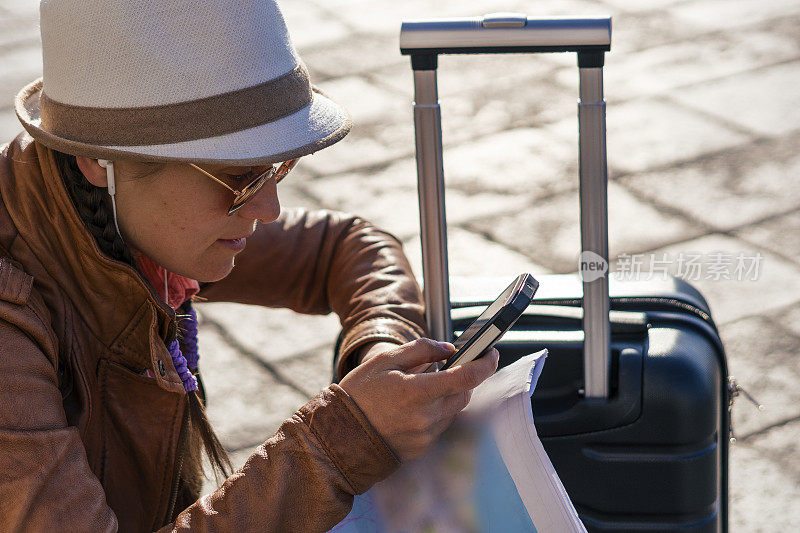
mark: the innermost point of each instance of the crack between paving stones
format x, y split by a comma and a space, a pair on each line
723, 77
788, 258
729, 232
706, 230
768, 428
332, 13
266, 365
764, 25
761, 314
719, 120
616, 175
656, 11
306, 354
379, 166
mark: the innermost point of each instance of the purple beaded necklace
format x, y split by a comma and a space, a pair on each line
186, 364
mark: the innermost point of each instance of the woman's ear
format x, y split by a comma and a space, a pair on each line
93, 171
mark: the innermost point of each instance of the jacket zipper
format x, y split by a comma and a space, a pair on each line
178, 467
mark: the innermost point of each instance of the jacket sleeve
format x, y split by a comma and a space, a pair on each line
45, 480
323, 261
304, 478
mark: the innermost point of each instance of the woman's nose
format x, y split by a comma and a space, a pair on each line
264, 205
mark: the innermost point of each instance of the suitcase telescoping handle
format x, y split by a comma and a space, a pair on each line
590, 38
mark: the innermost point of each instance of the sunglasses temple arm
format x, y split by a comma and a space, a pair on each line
234, 191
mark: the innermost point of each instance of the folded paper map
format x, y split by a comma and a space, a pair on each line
488, 472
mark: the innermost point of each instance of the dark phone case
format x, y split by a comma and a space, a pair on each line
523, 289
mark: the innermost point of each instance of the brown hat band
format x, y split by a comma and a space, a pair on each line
183, 121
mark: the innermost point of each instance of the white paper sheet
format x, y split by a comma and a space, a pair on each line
488, 473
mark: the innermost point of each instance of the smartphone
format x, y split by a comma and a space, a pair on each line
492, 324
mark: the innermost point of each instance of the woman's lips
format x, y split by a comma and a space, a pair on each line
237, 245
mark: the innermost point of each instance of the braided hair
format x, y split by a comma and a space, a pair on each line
93, 205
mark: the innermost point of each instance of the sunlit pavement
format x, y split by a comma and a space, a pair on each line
704, 155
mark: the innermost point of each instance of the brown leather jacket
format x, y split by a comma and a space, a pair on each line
88, 443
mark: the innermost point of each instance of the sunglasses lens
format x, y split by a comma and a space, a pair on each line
249, 191
252, 188
285, 168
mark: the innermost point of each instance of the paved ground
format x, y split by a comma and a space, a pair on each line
704, 139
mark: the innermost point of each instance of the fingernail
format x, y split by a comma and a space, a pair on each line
447, 345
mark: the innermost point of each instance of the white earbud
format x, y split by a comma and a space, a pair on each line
112, 188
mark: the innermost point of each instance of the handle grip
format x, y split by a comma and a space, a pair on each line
504, 33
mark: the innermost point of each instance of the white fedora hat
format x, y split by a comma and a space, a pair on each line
216, 81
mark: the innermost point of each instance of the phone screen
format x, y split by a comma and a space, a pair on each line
493, 322
484, 317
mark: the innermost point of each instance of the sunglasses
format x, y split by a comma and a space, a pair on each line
242, 196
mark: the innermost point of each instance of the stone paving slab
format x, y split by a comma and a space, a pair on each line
550, 231
272, 335
730, 189
358, 152
662, 69
469, 98
389, 199
762, 356
366, 102
338, 59
652, 133
23, 11
244, 401
732, 16
9, 126
790, 320
526, 162
777, 284
633, 6
291, 193
383, 18
21, 60
786, 25
470, 253
311, 24
634, 31
765, 101
765, 487
779, 234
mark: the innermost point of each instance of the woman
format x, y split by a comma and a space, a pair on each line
154, 144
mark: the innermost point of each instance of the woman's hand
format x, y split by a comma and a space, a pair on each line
409, 409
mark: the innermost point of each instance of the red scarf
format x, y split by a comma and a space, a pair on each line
179, 288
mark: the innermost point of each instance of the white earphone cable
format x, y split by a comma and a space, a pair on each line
112, 189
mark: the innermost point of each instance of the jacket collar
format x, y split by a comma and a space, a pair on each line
116, 303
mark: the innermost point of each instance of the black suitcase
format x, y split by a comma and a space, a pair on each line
633, 406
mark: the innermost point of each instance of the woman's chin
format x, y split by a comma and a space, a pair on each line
215, 273
208, 271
